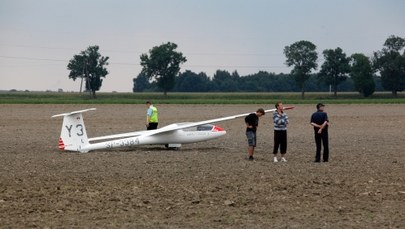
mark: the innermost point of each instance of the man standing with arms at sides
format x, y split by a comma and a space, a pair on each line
320, 122
280, 120
151, 116
252, 122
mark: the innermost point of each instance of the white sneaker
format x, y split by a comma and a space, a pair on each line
283, 159
275, 159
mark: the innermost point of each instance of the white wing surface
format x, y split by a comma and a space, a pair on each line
169, 128
124, 135
174, 127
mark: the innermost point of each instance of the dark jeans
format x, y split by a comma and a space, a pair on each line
280, 140
152, 126
319, 139
251, 137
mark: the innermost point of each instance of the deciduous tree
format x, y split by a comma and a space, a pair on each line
90, 66
390, 63
362, 74
141, 83
335, 69
225, 81
302, 57
192, 82
162, 64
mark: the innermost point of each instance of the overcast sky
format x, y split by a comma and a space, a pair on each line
39, 37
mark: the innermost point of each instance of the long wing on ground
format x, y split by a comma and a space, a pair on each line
171, 127
174, 127
124, 135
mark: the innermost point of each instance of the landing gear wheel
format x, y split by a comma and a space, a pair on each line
173, 146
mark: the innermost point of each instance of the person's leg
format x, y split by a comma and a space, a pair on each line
325, 146
318, 147
251, 142
251, 150
283, 145
276, 145
253, 145
153, 126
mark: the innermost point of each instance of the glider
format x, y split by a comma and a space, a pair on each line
74, 136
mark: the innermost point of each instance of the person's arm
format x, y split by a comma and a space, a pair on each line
249, 121
276, 119
320, 126
148, 115
326, 122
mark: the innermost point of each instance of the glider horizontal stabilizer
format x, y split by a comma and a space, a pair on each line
73, 112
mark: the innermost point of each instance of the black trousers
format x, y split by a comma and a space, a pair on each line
319, 139
280, 140
152, 126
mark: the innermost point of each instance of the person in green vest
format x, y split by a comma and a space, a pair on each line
151, 116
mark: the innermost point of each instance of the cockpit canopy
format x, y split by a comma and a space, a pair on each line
206, 127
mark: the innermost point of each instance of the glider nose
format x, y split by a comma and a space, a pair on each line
218, 129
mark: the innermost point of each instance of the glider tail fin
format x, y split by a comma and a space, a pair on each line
73, 136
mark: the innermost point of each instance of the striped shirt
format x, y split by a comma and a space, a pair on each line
280, 121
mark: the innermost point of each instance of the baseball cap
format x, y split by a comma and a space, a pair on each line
319, 105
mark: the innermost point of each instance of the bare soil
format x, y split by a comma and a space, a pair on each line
203, 185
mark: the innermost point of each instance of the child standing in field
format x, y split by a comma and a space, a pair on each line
252, 122
280, 120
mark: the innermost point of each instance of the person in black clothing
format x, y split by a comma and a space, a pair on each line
252, 122
320, 122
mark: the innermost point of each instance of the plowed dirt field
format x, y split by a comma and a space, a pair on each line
203, 185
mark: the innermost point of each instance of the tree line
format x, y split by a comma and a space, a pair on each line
224, 81
385, 70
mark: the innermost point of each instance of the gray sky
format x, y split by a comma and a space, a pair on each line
39, 37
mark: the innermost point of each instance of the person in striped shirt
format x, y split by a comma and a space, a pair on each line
280, 120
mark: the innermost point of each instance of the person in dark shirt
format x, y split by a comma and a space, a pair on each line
320, 122
252, 122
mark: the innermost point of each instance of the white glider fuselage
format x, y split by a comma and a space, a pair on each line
176, 137
74, 136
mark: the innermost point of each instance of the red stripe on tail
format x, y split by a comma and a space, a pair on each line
61, 144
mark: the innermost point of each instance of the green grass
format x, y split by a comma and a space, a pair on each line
195, 98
